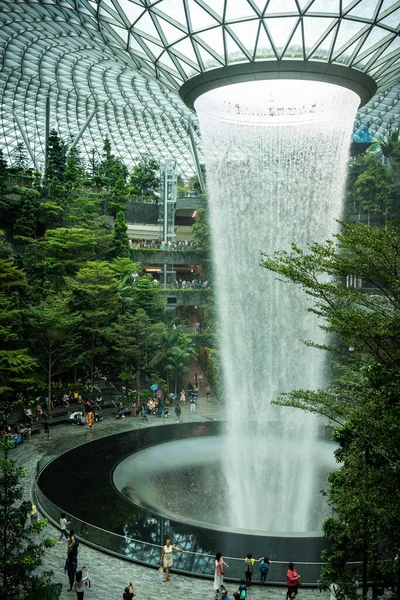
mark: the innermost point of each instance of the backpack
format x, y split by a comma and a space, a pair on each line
243, 594
249, 565
264, 567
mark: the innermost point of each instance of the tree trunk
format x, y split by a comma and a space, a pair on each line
49, 383
138, 384
176, 381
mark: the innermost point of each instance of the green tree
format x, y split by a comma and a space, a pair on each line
20, 156
96, 295
136, 343
145, 179
20, 553
364, 401
113, 174
16, 363
120, 242
146, 294
375, 186
3, 182
180, 352
28, 214
55, 331
74, 174
56, 157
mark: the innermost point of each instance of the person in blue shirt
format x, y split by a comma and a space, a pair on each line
264, 567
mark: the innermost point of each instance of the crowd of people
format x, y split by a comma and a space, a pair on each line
195, 284
161, 245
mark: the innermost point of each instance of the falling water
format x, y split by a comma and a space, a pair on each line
275, 155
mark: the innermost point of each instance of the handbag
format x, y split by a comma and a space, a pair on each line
161, 570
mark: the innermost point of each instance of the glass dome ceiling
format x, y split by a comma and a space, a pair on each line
128, 59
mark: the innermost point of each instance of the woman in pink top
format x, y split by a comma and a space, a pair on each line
292, 580
219, 572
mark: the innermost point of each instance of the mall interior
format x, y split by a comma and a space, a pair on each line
199, 299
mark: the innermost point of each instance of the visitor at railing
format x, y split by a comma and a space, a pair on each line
161, 245
195, 284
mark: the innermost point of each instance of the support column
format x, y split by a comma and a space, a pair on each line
47, 132
25, 138
196, 160
81, 131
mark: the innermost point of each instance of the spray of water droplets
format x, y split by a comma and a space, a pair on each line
275, 155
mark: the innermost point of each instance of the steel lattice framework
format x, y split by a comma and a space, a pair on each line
128, 58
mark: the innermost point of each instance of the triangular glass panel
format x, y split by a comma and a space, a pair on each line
348, 30
186, 49
280, 7
394, 46
280, 30
132, 11
165, 61
295, 48
173, 9
247, 33
173, 34
323, 50
235, 54
200, 18
122, 33
365, 9
146, 25
135, 46
261, 4
387, 4
237, 9
154, 48
392, 20
344, 58
213, 39
314, 29
328, 7
264, 49
376, 36
208, 59
216, 6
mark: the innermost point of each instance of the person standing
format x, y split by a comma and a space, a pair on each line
292, 580
248, 569
81, 582
219, 571
90, 419
182, 397
63, 526
208, 393
34, 514
178, 413
166, 557
264, 567
129, 592
46, 430
70, 569
192, 403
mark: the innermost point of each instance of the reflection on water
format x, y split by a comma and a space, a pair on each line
183, 480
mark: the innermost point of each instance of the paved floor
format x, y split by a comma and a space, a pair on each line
109, 575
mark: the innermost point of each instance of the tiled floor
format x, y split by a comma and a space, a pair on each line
109, 575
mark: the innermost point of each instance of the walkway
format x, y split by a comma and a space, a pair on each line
109, 575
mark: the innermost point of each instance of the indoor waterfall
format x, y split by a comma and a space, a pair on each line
275, 155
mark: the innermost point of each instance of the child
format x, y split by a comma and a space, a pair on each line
178, 413
166, 412
248, 568
242, 589
63, 525
144, 414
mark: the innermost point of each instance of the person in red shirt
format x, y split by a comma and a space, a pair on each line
292, 580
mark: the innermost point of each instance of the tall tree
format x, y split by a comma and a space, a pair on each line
146, 294
375, 186
55, 330
363, 403
145, 179
20, 156
120, 242
136, 343
96, 294
3, 182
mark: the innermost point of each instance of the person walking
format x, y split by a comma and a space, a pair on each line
178, 412
81, 581
90, 419
264, 568
63, 526
219, 571
292, 580
34, 514
208, 393
166, 558
248, 569
70, 569
192, 403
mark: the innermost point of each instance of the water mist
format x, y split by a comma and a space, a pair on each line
275, 155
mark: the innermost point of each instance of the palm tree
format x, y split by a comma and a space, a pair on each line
179, 356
